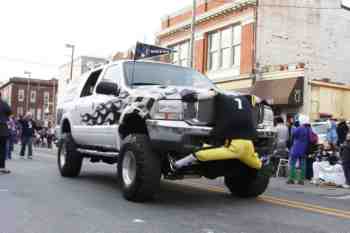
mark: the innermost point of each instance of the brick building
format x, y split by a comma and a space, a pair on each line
224, 39
35, 95
271, 48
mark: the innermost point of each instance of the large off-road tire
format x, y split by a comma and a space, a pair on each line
254, 184
69, 159
139, 169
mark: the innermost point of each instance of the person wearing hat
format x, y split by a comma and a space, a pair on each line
299, 150
5, 112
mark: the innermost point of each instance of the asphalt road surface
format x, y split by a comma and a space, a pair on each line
34, 198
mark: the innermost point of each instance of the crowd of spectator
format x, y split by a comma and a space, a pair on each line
27, 132
297, 142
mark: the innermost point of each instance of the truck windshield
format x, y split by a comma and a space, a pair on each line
164, 75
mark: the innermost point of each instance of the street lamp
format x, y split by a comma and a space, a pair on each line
28, 89
72, 47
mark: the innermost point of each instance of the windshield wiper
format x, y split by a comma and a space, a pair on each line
146, 84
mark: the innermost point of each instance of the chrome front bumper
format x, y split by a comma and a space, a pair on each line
174, 131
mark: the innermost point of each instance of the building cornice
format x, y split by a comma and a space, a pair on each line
330, 85
222, 10
24, 81
283, 74
183, 10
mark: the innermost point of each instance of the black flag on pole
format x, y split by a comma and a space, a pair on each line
145, 50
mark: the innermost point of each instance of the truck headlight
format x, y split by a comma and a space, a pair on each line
168, 110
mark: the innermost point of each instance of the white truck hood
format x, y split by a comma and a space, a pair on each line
170, 92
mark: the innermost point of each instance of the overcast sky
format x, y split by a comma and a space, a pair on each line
34, 32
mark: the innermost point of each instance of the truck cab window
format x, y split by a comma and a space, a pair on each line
90, 83
113, 74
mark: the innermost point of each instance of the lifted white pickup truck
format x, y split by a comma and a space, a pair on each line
146, 117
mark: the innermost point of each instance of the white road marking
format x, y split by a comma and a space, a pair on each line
205, 230
347, 197
4, 190
136, 220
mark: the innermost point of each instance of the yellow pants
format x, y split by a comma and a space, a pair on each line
242, 150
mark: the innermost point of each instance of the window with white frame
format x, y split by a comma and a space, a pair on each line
181, 56
20, 95
32, 111
46, 98
20, 111
33, 96
224, 50
38, 114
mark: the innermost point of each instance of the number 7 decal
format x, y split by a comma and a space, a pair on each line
239, 103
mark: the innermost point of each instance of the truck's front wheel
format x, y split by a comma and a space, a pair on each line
139, 169
69, 160
253, 185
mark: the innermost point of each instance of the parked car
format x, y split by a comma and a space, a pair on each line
145, 117
320, 128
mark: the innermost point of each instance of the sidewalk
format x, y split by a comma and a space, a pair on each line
322, 190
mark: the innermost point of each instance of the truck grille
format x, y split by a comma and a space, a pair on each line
199, 113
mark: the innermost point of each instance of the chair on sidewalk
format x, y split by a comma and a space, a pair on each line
283, 163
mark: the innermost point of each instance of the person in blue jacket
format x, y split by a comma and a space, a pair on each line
301, 138
332, 135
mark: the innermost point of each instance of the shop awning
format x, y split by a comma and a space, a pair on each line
288, 91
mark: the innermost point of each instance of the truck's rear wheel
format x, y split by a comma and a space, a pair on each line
251, 186
69, 160
139, 169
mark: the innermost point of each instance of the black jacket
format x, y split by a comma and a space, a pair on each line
342, 131
28, 127
345, 154
234, 118
5, 112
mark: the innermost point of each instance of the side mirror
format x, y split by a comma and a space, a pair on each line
107, 88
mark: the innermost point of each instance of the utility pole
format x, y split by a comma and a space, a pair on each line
72, 47
193, 31
28, 90
54, 102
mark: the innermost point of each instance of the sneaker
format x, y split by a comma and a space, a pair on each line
301, 182
346, 186
22, 157
290, 182
4, 171
30, 157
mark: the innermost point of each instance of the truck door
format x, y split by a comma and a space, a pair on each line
84, 112
106, 127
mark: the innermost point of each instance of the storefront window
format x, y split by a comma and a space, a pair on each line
181, 56
224, 48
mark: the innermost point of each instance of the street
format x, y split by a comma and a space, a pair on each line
35, 198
